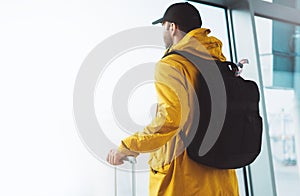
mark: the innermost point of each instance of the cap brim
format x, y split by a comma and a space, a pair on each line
158, 21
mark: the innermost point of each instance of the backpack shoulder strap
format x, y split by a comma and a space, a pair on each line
224, 66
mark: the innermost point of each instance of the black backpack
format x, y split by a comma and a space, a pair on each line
239, 141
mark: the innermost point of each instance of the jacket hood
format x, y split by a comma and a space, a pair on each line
199, 43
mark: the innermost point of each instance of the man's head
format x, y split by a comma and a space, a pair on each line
179, 18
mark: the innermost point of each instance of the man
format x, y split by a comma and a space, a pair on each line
172, 172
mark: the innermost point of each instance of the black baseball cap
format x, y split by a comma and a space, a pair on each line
182, 14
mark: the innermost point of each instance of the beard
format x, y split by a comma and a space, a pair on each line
168, 40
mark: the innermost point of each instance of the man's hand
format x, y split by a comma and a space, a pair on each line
115, 157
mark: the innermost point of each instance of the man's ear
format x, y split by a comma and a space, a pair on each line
173, 28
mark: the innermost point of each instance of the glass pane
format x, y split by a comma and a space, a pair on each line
278, 44
240, 176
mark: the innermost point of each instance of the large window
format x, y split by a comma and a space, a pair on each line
279, 55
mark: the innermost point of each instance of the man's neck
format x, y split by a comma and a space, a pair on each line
178, 37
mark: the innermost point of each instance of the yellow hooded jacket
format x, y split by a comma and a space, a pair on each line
172, 172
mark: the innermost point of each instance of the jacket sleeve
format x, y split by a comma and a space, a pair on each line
170, 85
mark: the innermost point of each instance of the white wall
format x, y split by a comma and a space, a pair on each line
42, 45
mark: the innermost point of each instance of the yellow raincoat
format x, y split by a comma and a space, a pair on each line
172, 172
